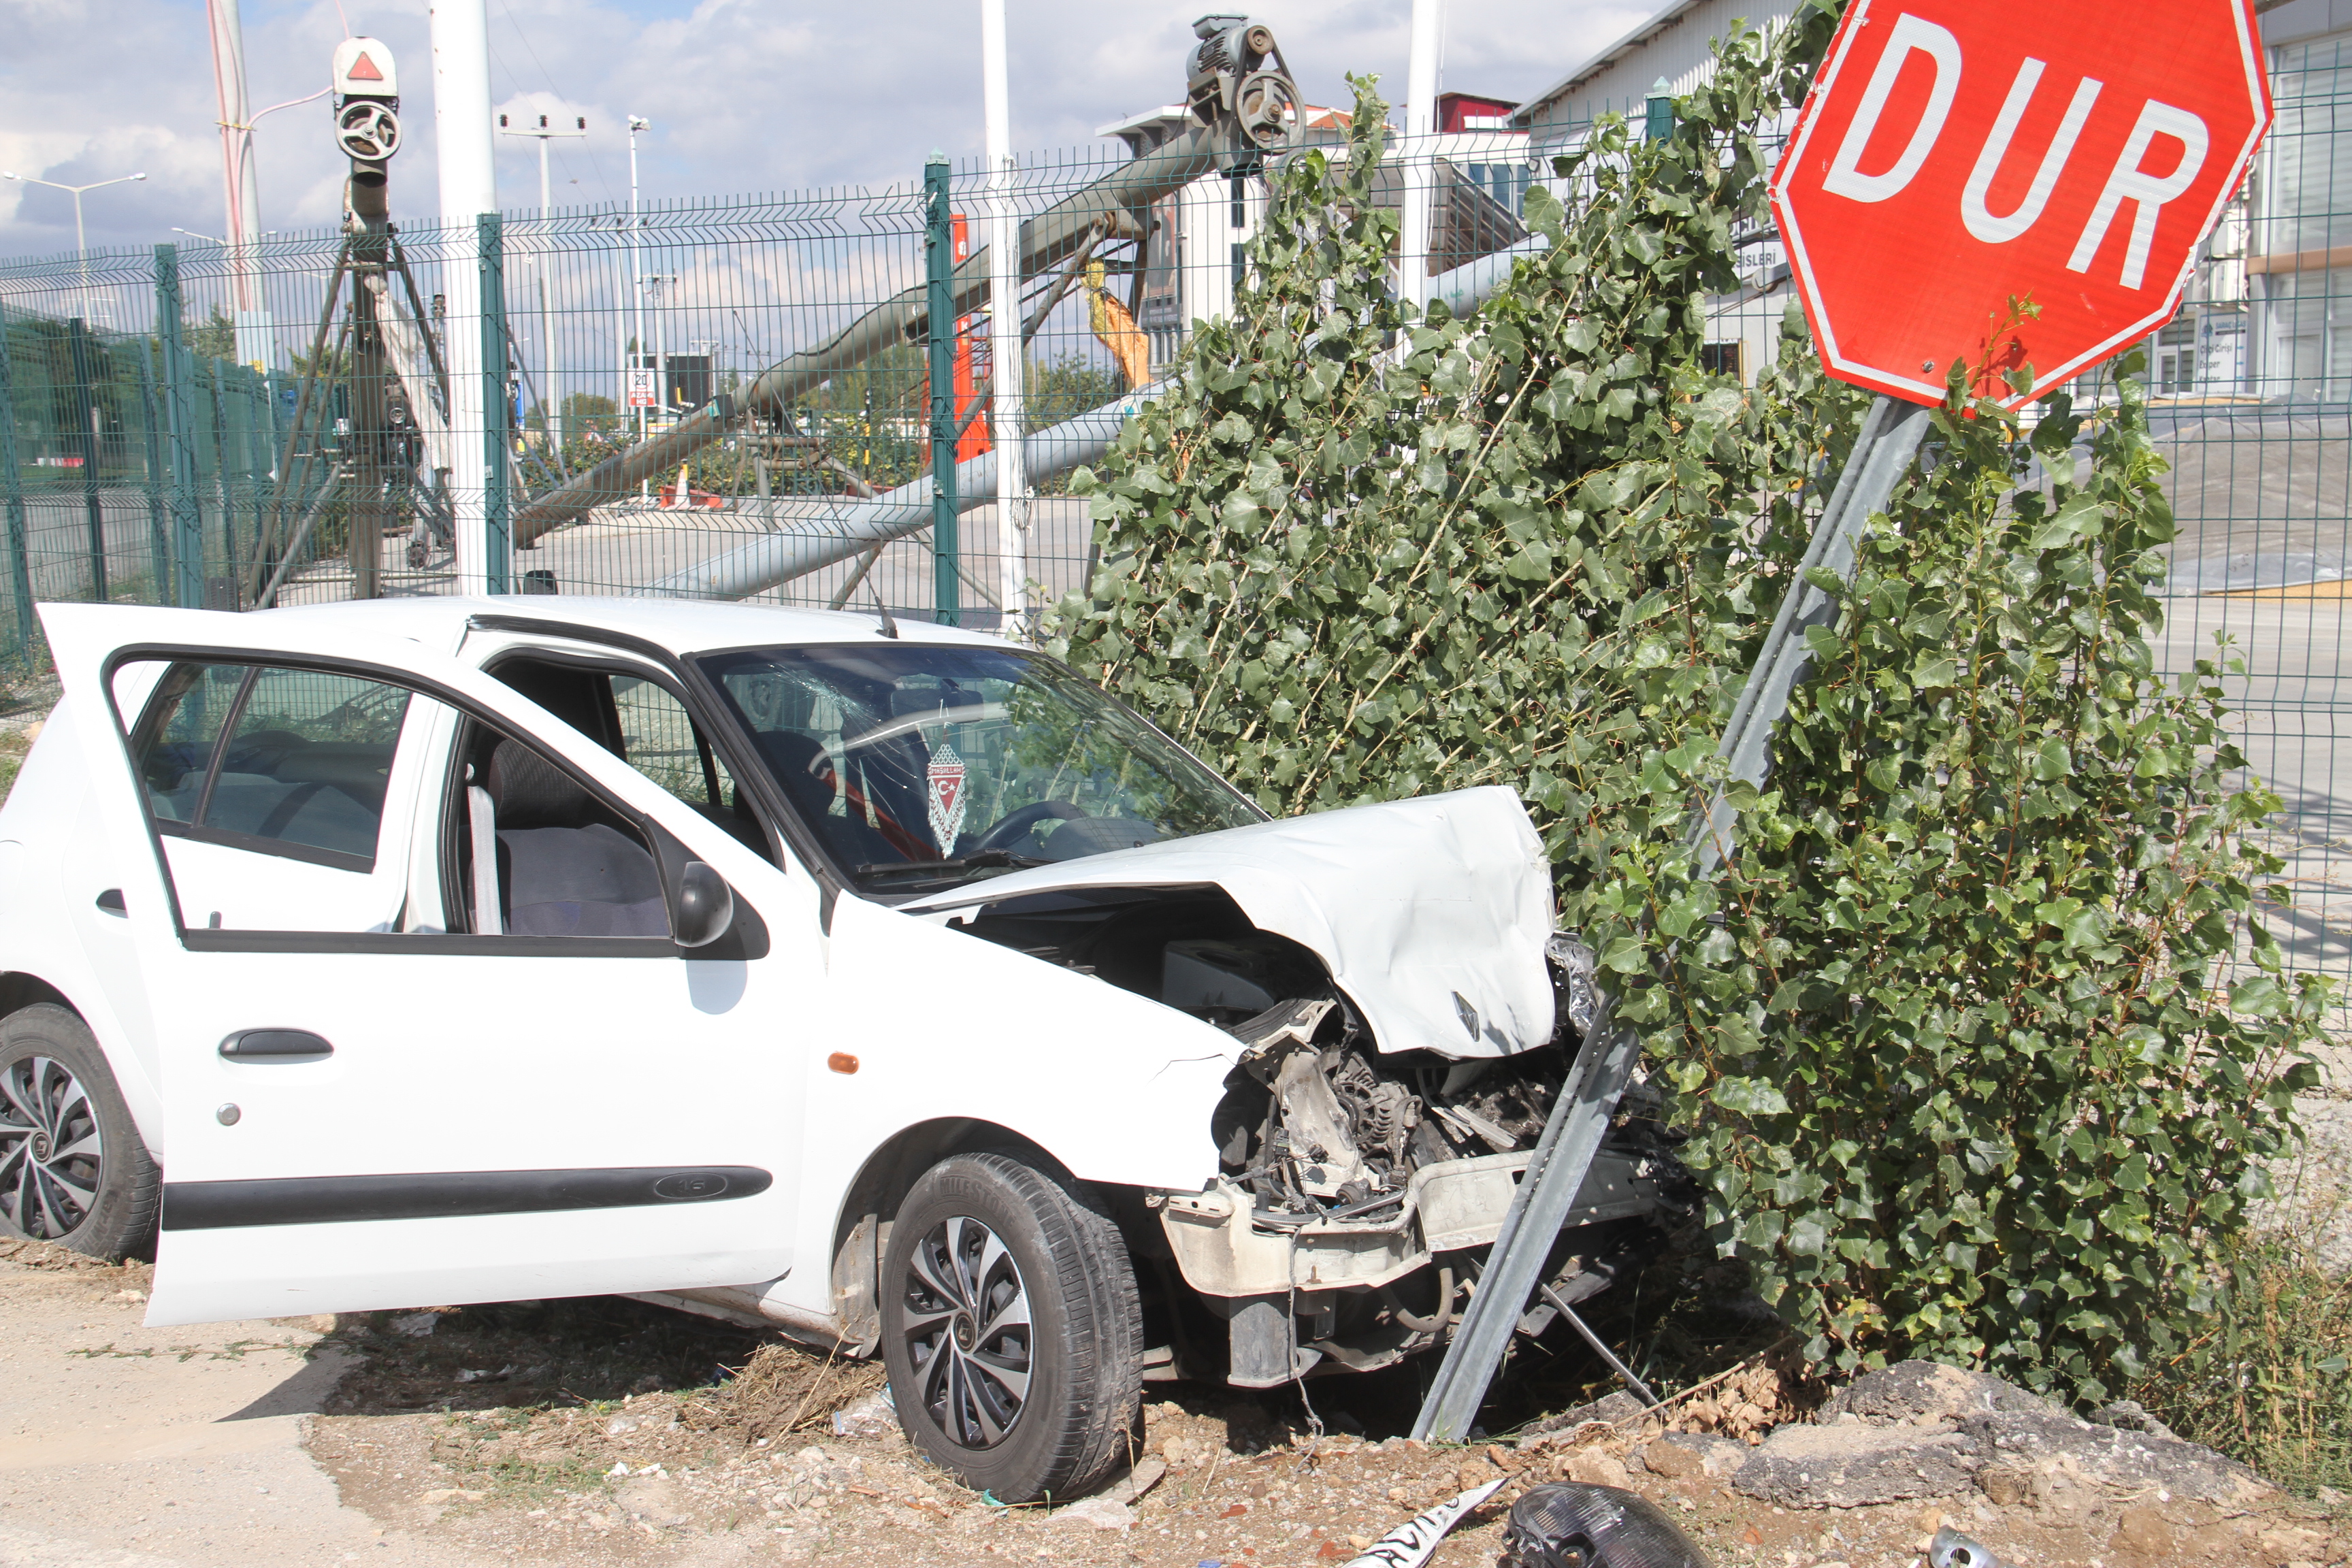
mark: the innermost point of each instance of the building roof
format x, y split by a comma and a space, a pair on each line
1668, 16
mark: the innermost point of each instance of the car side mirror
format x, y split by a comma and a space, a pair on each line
704, 906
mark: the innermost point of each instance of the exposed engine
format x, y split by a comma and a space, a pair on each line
1384, 1173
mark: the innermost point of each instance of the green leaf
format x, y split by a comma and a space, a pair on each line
1748, 1097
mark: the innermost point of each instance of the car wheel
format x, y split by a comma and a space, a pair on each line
73, 1169
1011, 1329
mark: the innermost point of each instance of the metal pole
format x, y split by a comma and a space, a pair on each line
496, 454
637, 284
1005, 368
12, 500
462, 128
187, 588
1418, 167
1882, 455
939, 254
159, 541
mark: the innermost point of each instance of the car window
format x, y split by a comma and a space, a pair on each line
533, 852
658, 738
919, 763
287, 761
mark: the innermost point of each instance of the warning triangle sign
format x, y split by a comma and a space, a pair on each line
363, 70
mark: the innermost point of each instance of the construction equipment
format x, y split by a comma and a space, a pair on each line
390, 455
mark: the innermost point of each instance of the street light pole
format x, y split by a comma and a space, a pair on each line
544, 134
636, 275
81, 244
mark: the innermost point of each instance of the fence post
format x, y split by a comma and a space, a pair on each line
938, 256
187, 586
159, 542
12, 496
497, 533
85, 442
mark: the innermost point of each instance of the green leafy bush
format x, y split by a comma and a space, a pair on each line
1949, 1029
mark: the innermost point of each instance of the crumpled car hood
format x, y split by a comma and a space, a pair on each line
1431, 913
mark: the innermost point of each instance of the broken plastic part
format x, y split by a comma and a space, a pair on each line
1410, 1544
1950, 1549
1568, 1524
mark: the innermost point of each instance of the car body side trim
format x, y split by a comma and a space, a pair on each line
456, 944
443, 1194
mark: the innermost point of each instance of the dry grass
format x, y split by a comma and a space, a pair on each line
781, 1389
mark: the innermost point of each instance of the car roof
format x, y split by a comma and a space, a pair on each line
679, 625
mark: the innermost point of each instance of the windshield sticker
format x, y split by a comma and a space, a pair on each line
946, 780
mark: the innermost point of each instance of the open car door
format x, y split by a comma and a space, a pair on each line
379, 1092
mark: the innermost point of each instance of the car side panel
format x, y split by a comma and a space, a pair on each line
61, 859
944, 1024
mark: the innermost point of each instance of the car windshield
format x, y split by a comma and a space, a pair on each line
925, 763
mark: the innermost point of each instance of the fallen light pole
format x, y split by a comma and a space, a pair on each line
1239, 92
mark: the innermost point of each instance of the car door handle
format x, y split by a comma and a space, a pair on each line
111, 902
272, 1045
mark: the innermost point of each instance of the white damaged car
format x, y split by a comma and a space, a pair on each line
888, 984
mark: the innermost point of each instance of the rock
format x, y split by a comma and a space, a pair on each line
1911, 1390
1852, 1466
2132, 1417
1475, 1473
2047, 1440
2010, 1486
415, 1325
1594, 1468
1617, 1406
876, 1416
1102, 1513
450, 1494
1673, 1454
2142, 1532
1146, 1475
2292, 1543
1673, 1461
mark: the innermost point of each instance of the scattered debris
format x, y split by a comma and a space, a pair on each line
872, 1415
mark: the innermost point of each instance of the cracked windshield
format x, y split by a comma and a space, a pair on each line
920, 764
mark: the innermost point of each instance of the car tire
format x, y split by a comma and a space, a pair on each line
73, 1168
1011, 1329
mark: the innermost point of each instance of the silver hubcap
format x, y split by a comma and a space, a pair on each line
966, 1322
51, 1153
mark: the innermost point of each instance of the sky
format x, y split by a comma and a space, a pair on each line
745, 96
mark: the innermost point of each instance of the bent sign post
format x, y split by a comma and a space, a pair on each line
1952, 155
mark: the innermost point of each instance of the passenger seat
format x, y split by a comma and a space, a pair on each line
561, 872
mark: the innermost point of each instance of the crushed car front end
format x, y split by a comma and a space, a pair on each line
1404, 1019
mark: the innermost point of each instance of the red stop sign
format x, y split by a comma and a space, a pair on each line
1954, 152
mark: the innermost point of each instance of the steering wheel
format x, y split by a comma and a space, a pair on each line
1014, 826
